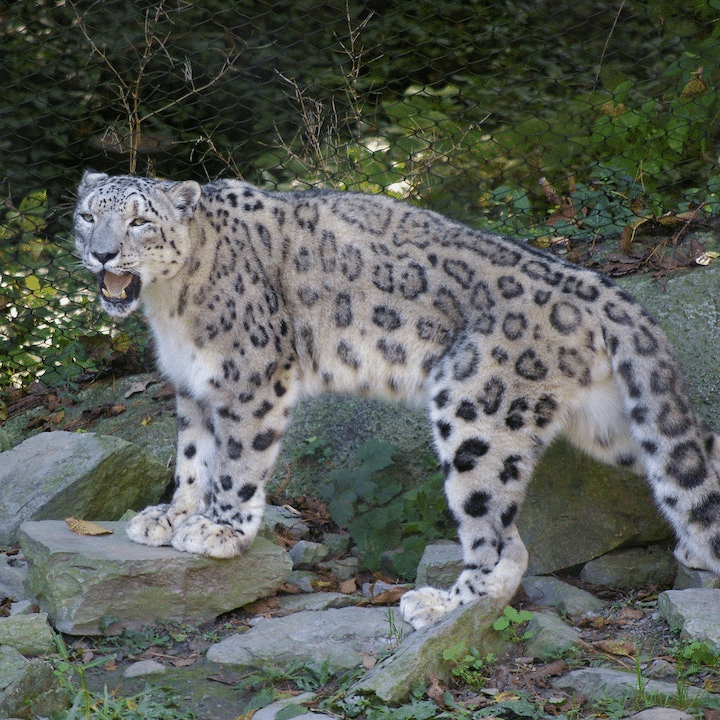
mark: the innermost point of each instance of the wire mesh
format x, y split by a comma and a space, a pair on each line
554, 122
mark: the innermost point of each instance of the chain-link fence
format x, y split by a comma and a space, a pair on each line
556, 122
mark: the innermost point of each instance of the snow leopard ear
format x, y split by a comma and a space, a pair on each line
184, 196
90, 179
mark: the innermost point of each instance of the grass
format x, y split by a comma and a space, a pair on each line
479, 685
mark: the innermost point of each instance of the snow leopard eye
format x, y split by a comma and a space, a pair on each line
138, 222
87, 217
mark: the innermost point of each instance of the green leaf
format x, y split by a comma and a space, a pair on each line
291, 711
34, 203
32, 282
502, 623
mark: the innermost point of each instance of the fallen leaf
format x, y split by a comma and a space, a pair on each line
436, 692
553, 669
85, 527
476, 701
505, 696
322, 585
146, 420
623, 648
139, 386
368, 661
348, 587
707, 257
629, 614
389, 596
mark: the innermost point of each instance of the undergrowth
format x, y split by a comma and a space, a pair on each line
478, 684
384, 518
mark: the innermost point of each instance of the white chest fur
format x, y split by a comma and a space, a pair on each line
189, 368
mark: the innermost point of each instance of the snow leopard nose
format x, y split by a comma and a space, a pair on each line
104, 257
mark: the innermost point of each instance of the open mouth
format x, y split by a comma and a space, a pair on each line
121, 289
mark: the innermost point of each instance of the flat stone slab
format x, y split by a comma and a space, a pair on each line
602, 682
94, 585
339, 637
54, 475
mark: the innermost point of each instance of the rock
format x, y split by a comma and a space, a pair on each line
91, 585
440, 564
696, 613
271, 711
420, 655
577, 509
13, 572
550, 636
133, 398
286, 517
660, 669
315, 601
28, 688
143, 668
23, 607
336, 543
28, 634
631, 568
339, 637
685, 308
306, 554
303, 579
343, 423
604, 683
343, 568
568, 599
660, 713
57, 474
691, 578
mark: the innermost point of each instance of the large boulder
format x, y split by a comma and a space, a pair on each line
577, 509
58, 474
90, 585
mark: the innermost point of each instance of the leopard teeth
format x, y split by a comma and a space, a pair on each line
106, 294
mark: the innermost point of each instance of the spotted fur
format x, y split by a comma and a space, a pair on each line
256, 298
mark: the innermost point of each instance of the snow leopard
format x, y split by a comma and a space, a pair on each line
257, 298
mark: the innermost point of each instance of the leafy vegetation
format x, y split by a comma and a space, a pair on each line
88, 705
382, 516
511, 622
469, 667
462, 107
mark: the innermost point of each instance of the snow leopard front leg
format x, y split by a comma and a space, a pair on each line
246, 429
194, 466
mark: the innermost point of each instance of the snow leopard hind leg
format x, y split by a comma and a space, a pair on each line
488, 444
